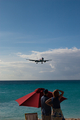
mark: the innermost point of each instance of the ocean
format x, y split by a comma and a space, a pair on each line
12, 90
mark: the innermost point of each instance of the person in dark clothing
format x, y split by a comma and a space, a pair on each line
45, 109
55, 104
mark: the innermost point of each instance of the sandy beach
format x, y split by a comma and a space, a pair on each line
41, 119
66, 119
72, 118
69, 119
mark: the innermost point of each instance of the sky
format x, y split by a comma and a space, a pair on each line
32, 29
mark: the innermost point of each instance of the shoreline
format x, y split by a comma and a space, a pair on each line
72, 118
41, 119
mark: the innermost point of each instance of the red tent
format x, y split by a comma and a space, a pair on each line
33, 99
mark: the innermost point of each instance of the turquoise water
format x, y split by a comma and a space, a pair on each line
10, 91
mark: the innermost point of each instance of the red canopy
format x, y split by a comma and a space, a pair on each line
33, 99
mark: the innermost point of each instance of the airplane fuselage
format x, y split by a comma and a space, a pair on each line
40, 60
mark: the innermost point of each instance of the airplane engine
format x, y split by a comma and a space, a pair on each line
44, 61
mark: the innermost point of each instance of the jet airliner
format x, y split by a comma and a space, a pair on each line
40, 60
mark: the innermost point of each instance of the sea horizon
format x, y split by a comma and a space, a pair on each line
36, 80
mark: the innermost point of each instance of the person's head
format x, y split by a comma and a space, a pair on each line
45, 92
55, 93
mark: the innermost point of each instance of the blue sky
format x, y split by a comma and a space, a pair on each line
35, 29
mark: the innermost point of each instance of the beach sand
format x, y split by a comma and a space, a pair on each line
69, 119
72, 118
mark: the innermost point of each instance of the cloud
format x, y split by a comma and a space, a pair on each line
65, 65
65, 62
55, 52
51, 66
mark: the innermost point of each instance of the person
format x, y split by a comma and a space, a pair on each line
45, 109
55, 104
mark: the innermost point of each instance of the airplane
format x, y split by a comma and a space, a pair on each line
40, 60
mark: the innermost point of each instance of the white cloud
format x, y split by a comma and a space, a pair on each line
51, 66
51, 52
65, 64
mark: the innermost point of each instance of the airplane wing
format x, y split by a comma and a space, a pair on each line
46, 60
30, 60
